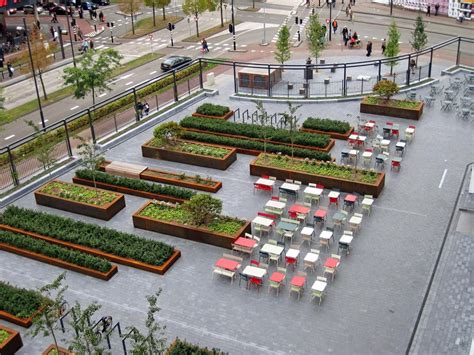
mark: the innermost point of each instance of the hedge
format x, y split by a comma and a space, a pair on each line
136, 184
20, 302
182, 347
327, 125
55, 251
255, 131
209, 109
255, 145
90, 235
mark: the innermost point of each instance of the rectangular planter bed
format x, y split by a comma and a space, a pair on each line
126, 190
386, 110
335, 135
186, 231
60, 263
12, 344
104, 212
113, 258
150, 151
61, 351
225, 117
22, 322
327, 181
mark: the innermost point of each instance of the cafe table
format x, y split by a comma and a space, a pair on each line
253, 271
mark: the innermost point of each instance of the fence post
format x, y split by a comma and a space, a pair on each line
189, 88
137, 114
235, 78
156, 99
91, 125
380, 71
409, 70
458, 55
201, 82
344, 81
14, 173
175, 86
269, 84
68, 142
419, 73
431, 63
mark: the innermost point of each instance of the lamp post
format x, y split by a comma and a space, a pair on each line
330, 19
233, 25
34, 74
264, 41
70, 39
391, 7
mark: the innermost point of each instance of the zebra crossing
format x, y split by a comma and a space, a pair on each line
301, 28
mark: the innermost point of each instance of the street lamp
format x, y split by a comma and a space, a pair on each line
43, 124
233, 26
330, 18
264, 41
70, 38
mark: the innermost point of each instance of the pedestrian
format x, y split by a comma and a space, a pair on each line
334, 26
428, 10
412, 65
51, 30
461, 16
79, 33
81, 13
54, 18
345, 37
384, 46
139, 109
94, 13
436, 9
369, 48
55, 35
205, 47
10, 70
348, 7
84, 46
146, 108
350, 14
350, 33
91, 44
327, 3
101, 16
91, 14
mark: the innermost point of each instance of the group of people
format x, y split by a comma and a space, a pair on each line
205, 47
349, 11
143, 108
93, 15
428, 10
87, 44
348, 37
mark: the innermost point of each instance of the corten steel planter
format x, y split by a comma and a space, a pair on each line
126, 190
60, 263
225, 117
326, 149
104, 212
335, 135
12, 344
149, 151
385, 110
62, 351
327, 181
113, 258
22, 322
193, 233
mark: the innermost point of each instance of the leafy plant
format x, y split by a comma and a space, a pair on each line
327, 125
196, 148
209, 109
393, 45
38, 246
182, 347
44, 150
291, 121
195, 8
315, 36
168, 133
137, 184
263, 119
419, 38
20, 302
4, 335
282, 52
91, 157
78, 193
392, 103
90, 235
85, 339
386, 89
203, 208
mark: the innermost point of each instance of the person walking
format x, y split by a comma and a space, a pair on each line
146, 108
101, 16
344, 35
55, 35
428, 10
81, 13
139, 109
91, 44
436, 9
79, 33
348, 7
51, 30
10, 70
350, 14
54, 18
205, 47
369, 48
334, 26
384, 46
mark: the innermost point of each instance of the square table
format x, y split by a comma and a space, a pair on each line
287, 226
397, 159
262, 221
272, 249
367, 154
346, 239
307, 231
298, 281
313, 191
319, 286
361, 138
331, 263
292, 253
339, 217
311, 257
369, 124
276, 204
334, 194
277, 277
254, 271
227, 264
245, 243
290, 187
355, 220
350, 198
326, 235
409, 130
385, 142
367, 201
320, 214
266, 182
353, 137
299, 209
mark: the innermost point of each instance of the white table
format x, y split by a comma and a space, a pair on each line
307, 231
266, 182
410, 130
355, 220
272, 249
367, 155
401, 145
367, 201
311, 258
319, 286
325, 235
292, 253
353, 152
275, 204
385, 142
262, 221
361, 138
292, 187
346, 239
254, 271
370, 124
334, 194
353, 136
313, 191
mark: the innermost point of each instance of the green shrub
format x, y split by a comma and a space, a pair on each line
20, 302
136, 184
182, 347
167, 133
4, 335
90, 235
79, 193
203, 208
386, 89
327, 125
255, 145
212, 110
255, 131
55, 251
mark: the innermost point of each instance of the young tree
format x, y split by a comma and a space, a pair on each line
282, 53
291, 121
43, 148
92, 72
41, 53
393, 47
197, 7
154, 341
163, 4
91, 157
202, 208
315, 34
167, 133
263, 119
85, 339
220, 6
130, 7
419, 38
385, 89
52, 305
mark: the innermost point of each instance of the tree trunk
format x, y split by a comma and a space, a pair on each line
131, 15
197, 25
253, 4
164, 14
154, 19
42, 85
222, 15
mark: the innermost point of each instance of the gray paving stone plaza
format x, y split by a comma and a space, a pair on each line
374, 301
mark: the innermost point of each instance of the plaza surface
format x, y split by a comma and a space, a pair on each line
372, 304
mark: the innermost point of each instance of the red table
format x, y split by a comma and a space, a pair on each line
299, 209
331, 263
245, 242
277, 277
351, 198
227, 264
320, 214
298, 281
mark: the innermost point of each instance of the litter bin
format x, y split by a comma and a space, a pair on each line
210, 79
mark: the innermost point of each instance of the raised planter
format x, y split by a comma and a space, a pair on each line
335, 135
225, 117
60, 263
104, 212
62, 351
386, 110
22, 322
186, 231
12, 344
126, 190
150, 151
113, 258
327, 181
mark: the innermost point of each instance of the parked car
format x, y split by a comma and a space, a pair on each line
101, 2
175, 61
28, 9
58, 10
87, 5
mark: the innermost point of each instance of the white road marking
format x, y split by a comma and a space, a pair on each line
129, 83
73, 108
153, 72
99, 47
442, 178
126, 76
102, 95
401, 211
9, 137
40, 123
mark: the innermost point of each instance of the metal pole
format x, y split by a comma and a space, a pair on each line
201, 84
344, 85
391, 7
13, 168
431, 63
233, 27
137, 114
236, 90
43, 124
409, 70
330, 18
68, 142
264, 41
70, 40
458, 56
269, 82
175, 87
61, 42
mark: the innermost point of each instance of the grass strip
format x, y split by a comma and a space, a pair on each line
145, 26
209, 32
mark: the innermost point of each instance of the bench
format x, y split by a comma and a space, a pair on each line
242, 249
125, 169
224, 272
